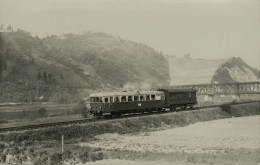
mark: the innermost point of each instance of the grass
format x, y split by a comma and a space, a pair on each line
44, 145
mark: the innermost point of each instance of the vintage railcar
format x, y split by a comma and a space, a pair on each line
116, 103
179, 98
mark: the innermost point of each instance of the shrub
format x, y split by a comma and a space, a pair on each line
83, 157
94, 156
2, 147
56, 158
226, 108
2, 158
42, 111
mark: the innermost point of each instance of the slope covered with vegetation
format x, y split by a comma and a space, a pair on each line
74, 61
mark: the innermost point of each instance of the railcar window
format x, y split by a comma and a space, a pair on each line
97, 99
152, 97
111, 99
100, 99
123, 98
106, 99
157, 97
147, 97
130, 98
142, 98
116, 99
136, 98
189, 94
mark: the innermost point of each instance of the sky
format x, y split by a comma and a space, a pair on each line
206, 29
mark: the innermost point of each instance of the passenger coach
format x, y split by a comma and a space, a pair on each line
116, 103
179, 98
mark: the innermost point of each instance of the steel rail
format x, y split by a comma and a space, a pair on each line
90, 120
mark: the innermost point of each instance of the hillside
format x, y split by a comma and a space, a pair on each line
186, 71
93, 61
90, 60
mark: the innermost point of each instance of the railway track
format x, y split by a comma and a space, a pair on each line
88, 120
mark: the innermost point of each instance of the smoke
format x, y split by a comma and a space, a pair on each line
145, 85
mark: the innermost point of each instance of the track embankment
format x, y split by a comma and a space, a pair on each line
135, 124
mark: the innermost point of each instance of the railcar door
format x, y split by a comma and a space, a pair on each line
106, 104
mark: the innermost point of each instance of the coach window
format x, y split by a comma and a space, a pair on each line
189, 94
123, 99
157, 97
111, 99
142, 98
116, 99
147, 97
136, 98
130, 98
152, 97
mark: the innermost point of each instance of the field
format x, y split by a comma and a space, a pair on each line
218, 138
146, 138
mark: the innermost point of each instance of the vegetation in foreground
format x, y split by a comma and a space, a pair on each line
44, 146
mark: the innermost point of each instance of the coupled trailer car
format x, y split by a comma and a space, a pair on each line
117, 103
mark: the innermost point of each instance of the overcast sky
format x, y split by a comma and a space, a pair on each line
209, 29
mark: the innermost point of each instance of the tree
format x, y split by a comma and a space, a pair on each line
50, 77
42, 111
39, 75
45, 76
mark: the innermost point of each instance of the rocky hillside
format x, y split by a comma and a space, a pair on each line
186, 71
89, 60
235, 70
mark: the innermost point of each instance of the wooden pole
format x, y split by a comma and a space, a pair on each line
62, 149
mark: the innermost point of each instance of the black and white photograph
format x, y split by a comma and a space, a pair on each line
129, 82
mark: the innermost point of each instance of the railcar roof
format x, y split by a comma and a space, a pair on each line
130, 93
178, 90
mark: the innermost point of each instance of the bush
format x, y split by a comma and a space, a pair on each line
56, 158
94, 156
226, 108
83, 157
2, 158
42, 111
2, 147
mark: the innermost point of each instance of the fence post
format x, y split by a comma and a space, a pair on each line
62, 149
